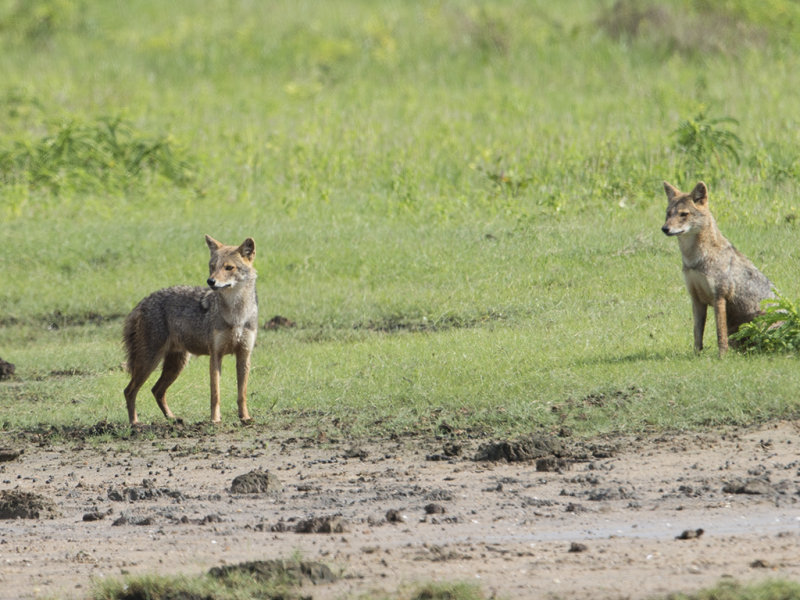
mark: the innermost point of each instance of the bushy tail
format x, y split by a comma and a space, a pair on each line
129, 339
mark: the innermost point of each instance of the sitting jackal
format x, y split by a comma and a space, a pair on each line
716, 273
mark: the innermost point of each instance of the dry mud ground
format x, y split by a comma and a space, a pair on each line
596, 519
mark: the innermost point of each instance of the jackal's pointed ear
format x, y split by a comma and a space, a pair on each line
213, 244
248, 249
700, 193
671, 191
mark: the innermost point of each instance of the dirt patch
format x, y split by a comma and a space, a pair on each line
623, 520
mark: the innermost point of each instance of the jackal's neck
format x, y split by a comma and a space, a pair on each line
697, 246
238, 305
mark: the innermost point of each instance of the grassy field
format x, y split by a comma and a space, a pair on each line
458, 203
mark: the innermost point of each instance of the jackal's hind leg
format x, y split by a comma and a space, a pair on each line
140, 371
173, 365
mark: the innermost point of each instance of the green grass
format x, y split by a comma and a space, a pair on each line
233, 588
766, 590
278, 587
458, 203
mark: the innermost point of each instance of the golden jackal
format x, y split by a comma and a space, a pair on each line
716, 273
170, 324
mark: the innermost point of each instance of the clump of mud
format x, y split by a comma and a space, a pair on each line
147, 491
6, 370
297, 572
322, 525
278, 322
9, 454
257, 482
26, 505
751, 486
530, 448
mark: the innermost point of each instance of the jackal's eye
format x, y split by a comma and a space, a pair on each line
229, 267
684, 213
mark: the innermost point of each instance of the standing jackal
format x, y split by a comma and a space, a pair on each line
716, 273
171, 323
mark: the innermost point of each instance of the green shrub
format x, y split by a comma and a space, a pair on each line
703, 138
777, 330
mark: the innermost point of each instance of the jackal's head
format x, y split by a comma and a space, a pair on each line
686, 213
230, 265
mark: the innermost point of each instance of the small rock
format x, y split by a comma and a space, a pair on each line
760, 563
578, 547
689, 534
433, 509
395, 516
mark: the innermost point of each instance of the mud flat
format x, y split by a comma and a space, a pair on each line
533, 517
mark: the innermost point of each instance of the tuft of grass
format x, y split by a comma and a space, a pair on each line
448, 591
280, 580
766, 590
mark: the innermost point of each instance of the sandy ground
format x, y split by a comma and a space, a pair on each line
595, 520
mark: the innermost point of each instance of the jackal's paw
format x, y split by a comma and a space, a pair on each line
246, 421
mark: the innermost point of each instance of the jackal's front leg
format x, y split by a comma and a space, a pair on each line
242, 374
215, 366
699, 311
721, 317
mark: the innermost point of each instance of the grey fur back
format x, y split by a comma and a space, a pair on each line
171, 319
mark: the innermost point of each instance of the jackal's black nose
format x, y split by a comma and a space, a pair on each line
211, 282
664, 228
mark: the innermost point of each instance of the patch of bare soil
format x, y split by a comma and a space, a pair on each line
536, 517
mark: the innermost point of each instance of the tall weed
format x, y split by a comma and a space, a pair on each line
106, 154
707, 142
